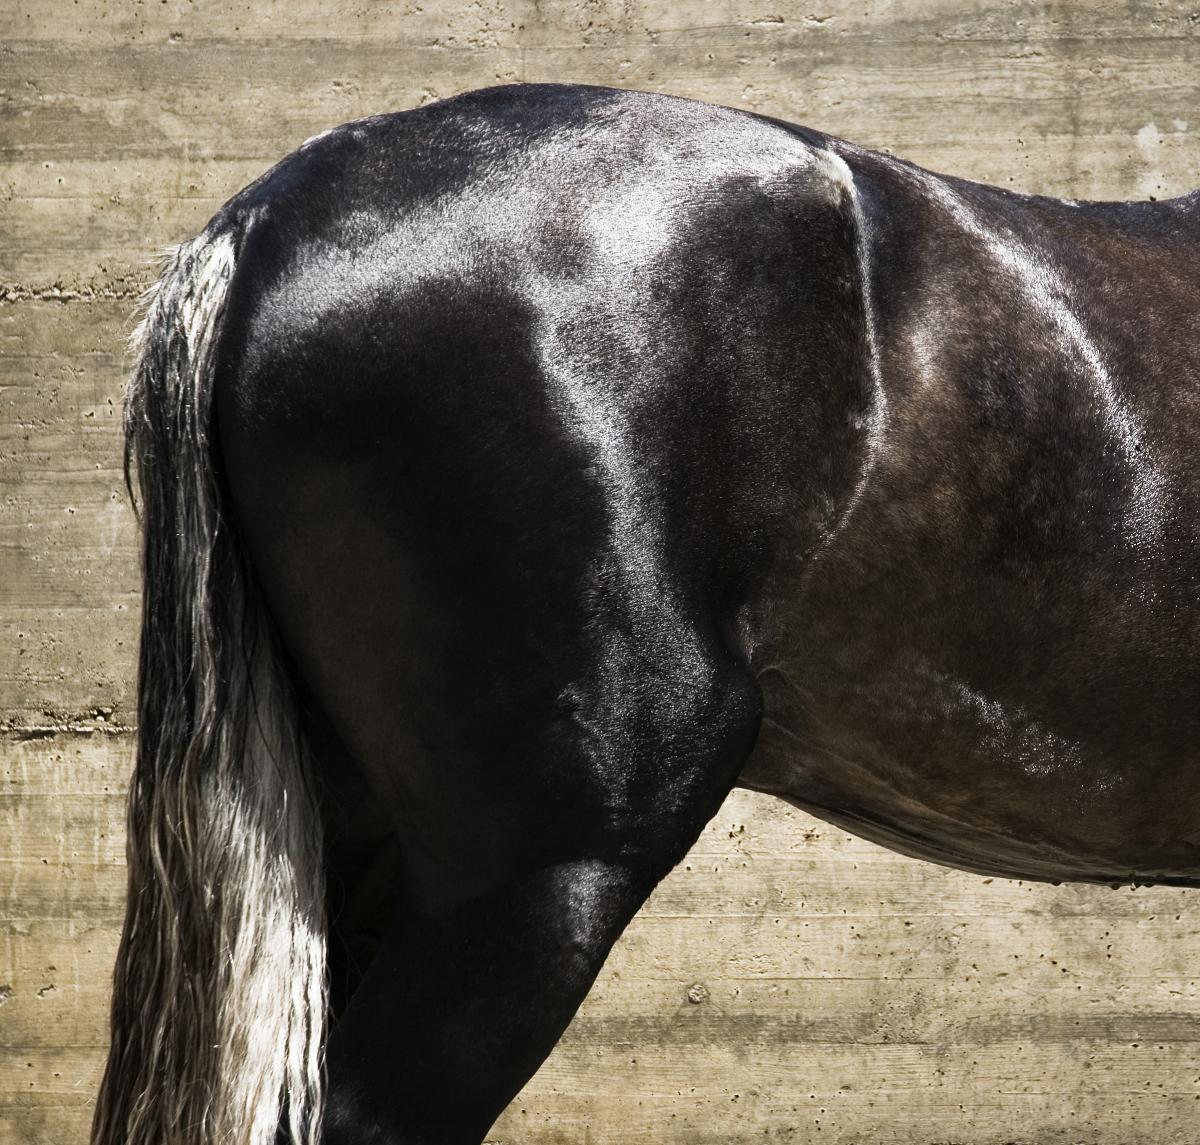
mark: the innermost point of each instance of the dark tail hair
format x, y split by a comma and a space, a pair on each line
219, 990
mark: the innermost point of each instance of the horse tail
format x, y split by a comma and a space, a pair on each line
219, 989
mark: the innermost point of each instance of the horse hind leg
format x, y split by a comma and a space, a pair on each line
545, 741
469, 993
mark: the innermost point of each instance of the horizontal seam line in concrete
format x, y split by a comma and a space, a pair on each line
10, 293
18, 733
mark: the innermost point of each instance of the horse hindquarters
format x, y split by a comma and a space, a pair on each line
547, 736
548, 710
510, 472
534, 805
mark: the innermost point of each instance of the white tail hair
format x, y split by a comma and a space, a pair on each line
219, 991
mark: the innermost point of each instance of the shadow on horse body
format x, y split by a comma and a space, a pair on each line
594, 452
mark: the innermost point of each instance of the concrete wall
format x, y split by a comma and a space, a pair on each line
788, 983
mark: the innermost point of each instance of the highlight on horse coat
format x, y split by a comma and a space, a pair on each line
521, 473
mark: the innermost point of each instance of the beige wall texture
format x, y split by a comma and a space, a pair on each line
788, 982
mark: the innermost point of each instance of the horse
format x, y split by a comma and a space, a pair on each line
521, 473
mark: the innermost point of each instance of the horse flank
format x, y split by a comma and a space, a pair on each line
219, 992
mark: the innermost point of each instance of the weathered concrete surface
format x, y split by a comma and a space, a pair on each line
844, 994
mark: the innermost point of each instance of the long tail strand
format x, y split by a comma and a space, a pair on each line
219, 993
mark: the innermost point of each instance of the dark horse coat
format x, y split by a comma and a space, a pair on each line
523, 472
